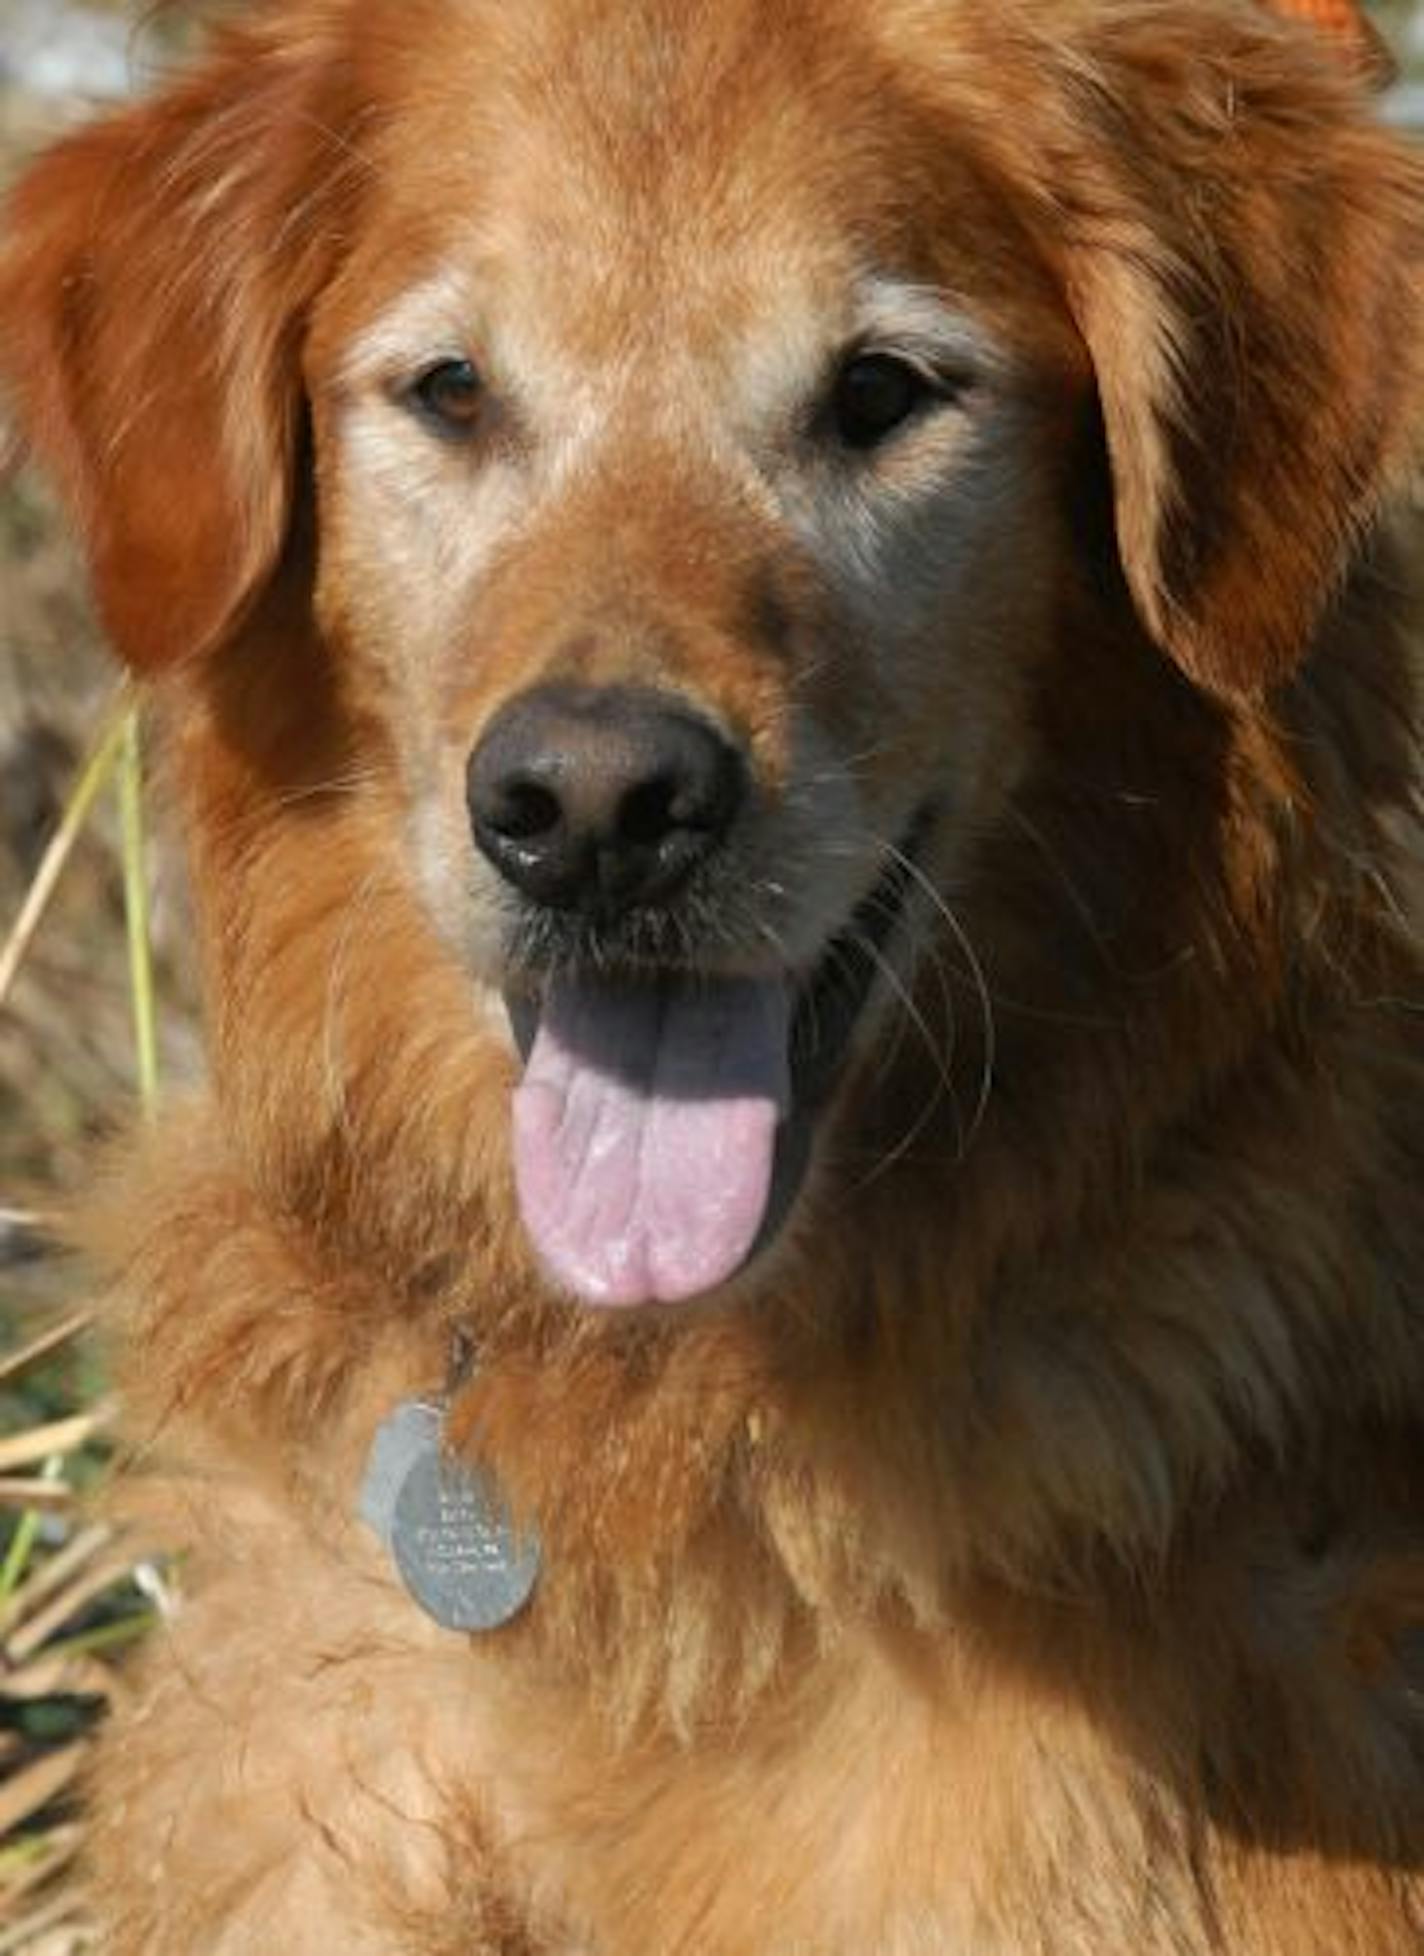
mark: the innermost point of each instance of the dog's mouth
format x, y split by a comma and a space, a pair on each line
664, 1123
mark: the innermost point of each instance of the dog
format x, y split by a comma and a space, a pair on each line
794, 1319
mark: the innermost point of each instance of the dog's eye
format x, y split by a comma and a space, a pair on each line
873, 394
450, 395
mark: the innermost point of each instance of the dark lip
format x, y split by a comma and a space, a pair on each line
829, 1003
828, 1008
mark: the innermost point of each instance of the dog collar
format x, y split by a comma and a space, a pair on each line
443, 1521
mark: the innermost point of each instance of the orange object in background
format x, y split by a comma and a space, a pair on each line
1358, 39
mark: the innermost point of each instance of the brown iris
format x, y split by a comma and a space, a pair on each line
450, 395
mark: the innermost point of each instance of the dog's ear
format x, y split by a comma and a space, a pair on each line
152, 289
1244, 263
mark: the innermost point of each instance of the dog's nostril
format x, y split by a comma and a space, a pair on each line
649, 812
525, 810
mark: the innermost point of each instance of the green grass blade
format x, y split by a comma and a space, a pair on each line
22, 1542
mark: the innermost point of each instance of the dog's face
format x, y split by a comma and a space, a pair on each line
687, 504
694, 396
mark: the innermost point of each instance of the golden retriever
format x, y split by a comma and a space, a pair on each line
777, 634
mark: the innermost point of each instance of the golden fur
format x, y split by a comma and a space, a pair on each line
1025, 1556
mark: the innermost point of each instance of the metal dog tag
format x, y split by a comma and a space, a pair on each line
447, 1531
411, 1430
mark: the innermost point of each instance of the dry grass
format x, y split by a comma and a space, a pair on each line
74, 1061
73, 1593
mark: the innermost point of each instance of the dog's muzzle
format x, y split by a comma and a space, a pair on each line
665, 1118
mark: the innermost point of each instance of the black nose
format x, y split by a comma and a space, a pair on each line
601, 797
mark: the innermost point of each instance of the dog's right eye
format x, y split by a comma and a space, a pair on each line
450, 395
874, 393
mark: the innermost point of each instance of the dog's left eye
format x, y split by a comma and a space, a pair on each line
451, 395
874, 394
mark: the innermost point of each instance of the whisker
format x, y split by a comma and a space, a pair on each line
943, 1088
349, 782
980, 982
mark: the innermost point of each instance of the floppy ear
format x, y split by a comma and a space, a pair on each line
152, 291
1244, 263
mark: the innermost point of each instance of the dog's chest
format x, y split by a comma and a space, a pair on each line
870, 1818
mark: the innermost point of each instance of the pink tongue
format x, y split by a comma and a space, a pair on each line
644, 1133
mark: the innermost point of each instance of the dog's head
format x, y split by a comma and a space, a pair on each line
678, 414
